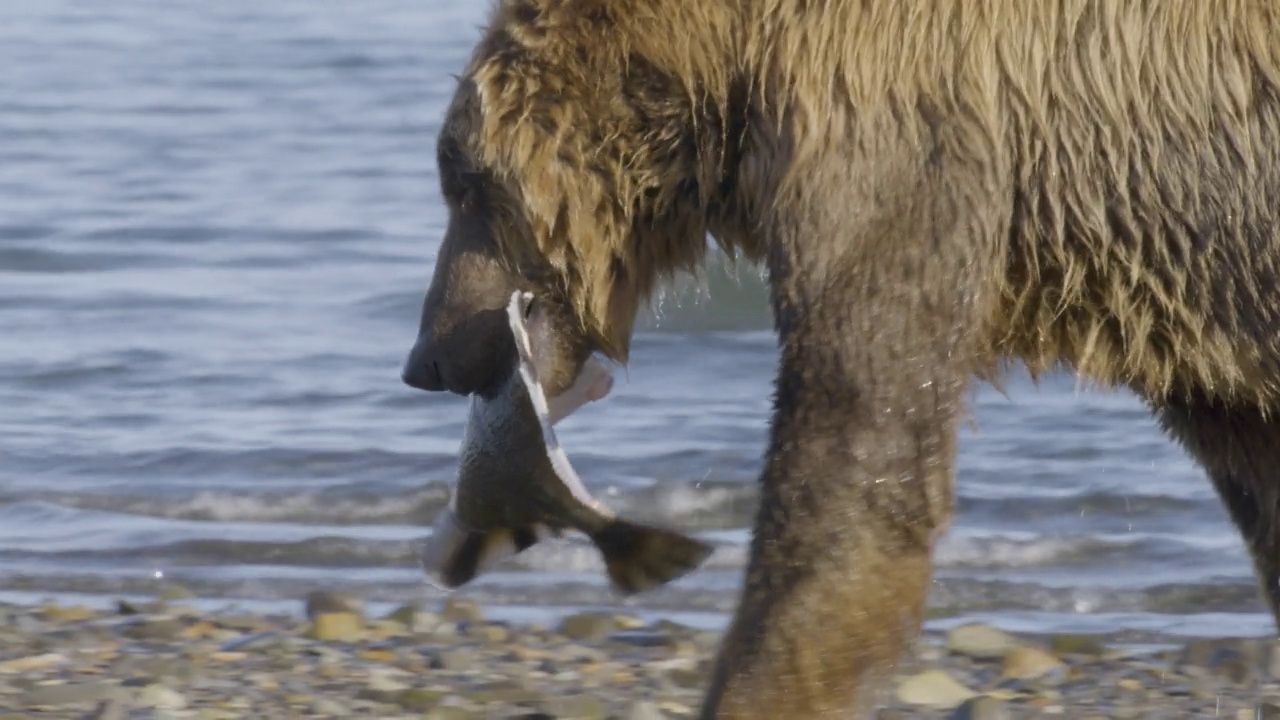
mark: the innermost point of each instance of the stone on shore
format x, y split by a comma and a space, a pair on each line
336, 627
321, 602
933, 689
165, 662
980, 641
1029, 662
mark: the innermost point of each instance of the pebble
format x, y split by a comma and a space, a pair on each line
460, 610
383, 680
580, 707
490, 633
72, 693
325, 707
336, 626
1028, 662
321, 602
161, 698
594, 666
981, 708
414, 619
933, 688
644, 710
455, 659
172, 591
108, 710
979, 641
31, 663
451, 713
1077, 645
587, 627
69, 614
153, 629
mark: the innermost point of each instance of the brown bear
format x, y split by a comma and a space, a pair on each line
935, 189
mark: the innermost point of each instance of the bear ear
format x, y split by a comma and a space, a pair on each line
549, 128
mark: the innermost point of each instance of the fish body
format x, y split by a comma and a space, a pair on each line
516, 486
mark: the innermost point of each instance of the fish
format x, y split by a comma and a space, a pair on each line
515, 486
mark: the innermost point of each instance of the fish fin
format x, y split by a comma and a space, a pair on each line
454, 554
642, 557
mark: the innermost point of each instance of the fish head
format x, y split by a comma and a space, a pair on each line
508, 445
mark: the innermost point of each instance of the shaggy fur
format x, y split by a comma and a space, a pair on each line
936, 188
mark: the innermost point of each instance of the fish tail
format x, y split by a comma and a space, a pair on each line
455, 554
642, 557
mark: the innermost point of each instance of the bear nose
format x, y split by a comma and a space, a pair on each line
422, 367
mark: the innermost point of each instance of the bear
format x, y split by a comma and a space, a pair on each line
936, 191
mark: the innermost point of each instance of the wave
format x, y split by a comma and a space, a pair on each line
702, 505
328, 530
311, 507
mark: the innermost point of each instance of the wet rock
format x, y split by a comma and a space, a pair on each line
643, 638
579, 707
644, 710
128, 607
934, 689
161, 698
979, 641
461, 610
322, 602
628, 622
453, 712
418, 699
1270, 660
386, 680
157, 629
336, 627
414, 619
173, 591
1087, 645
264, 640
326, 707
166, 667
444, 631
242, 623
1026, 663
981, 708
456, 659
1266, 711
32, 663
490, 633
72, 694
68, 613
109, 710
587, 627
685, 678
1233, 660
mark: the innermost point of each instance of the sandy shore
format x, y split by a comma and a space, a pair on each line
169, 660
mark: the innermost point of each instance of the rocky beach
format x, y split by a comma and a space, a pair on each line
331, 659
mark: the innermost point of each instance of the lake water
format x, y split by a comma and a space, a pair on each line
217, 221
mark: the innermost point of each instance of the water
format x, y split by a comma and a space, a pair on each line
217, 221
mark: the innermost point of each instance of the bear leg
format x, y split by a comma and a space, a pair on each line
1239, 448
876, 305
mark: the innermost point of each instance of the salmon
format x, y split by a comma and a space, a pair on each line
516, 487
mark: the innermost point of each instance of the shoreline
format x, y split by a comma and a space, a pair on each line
450, 660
